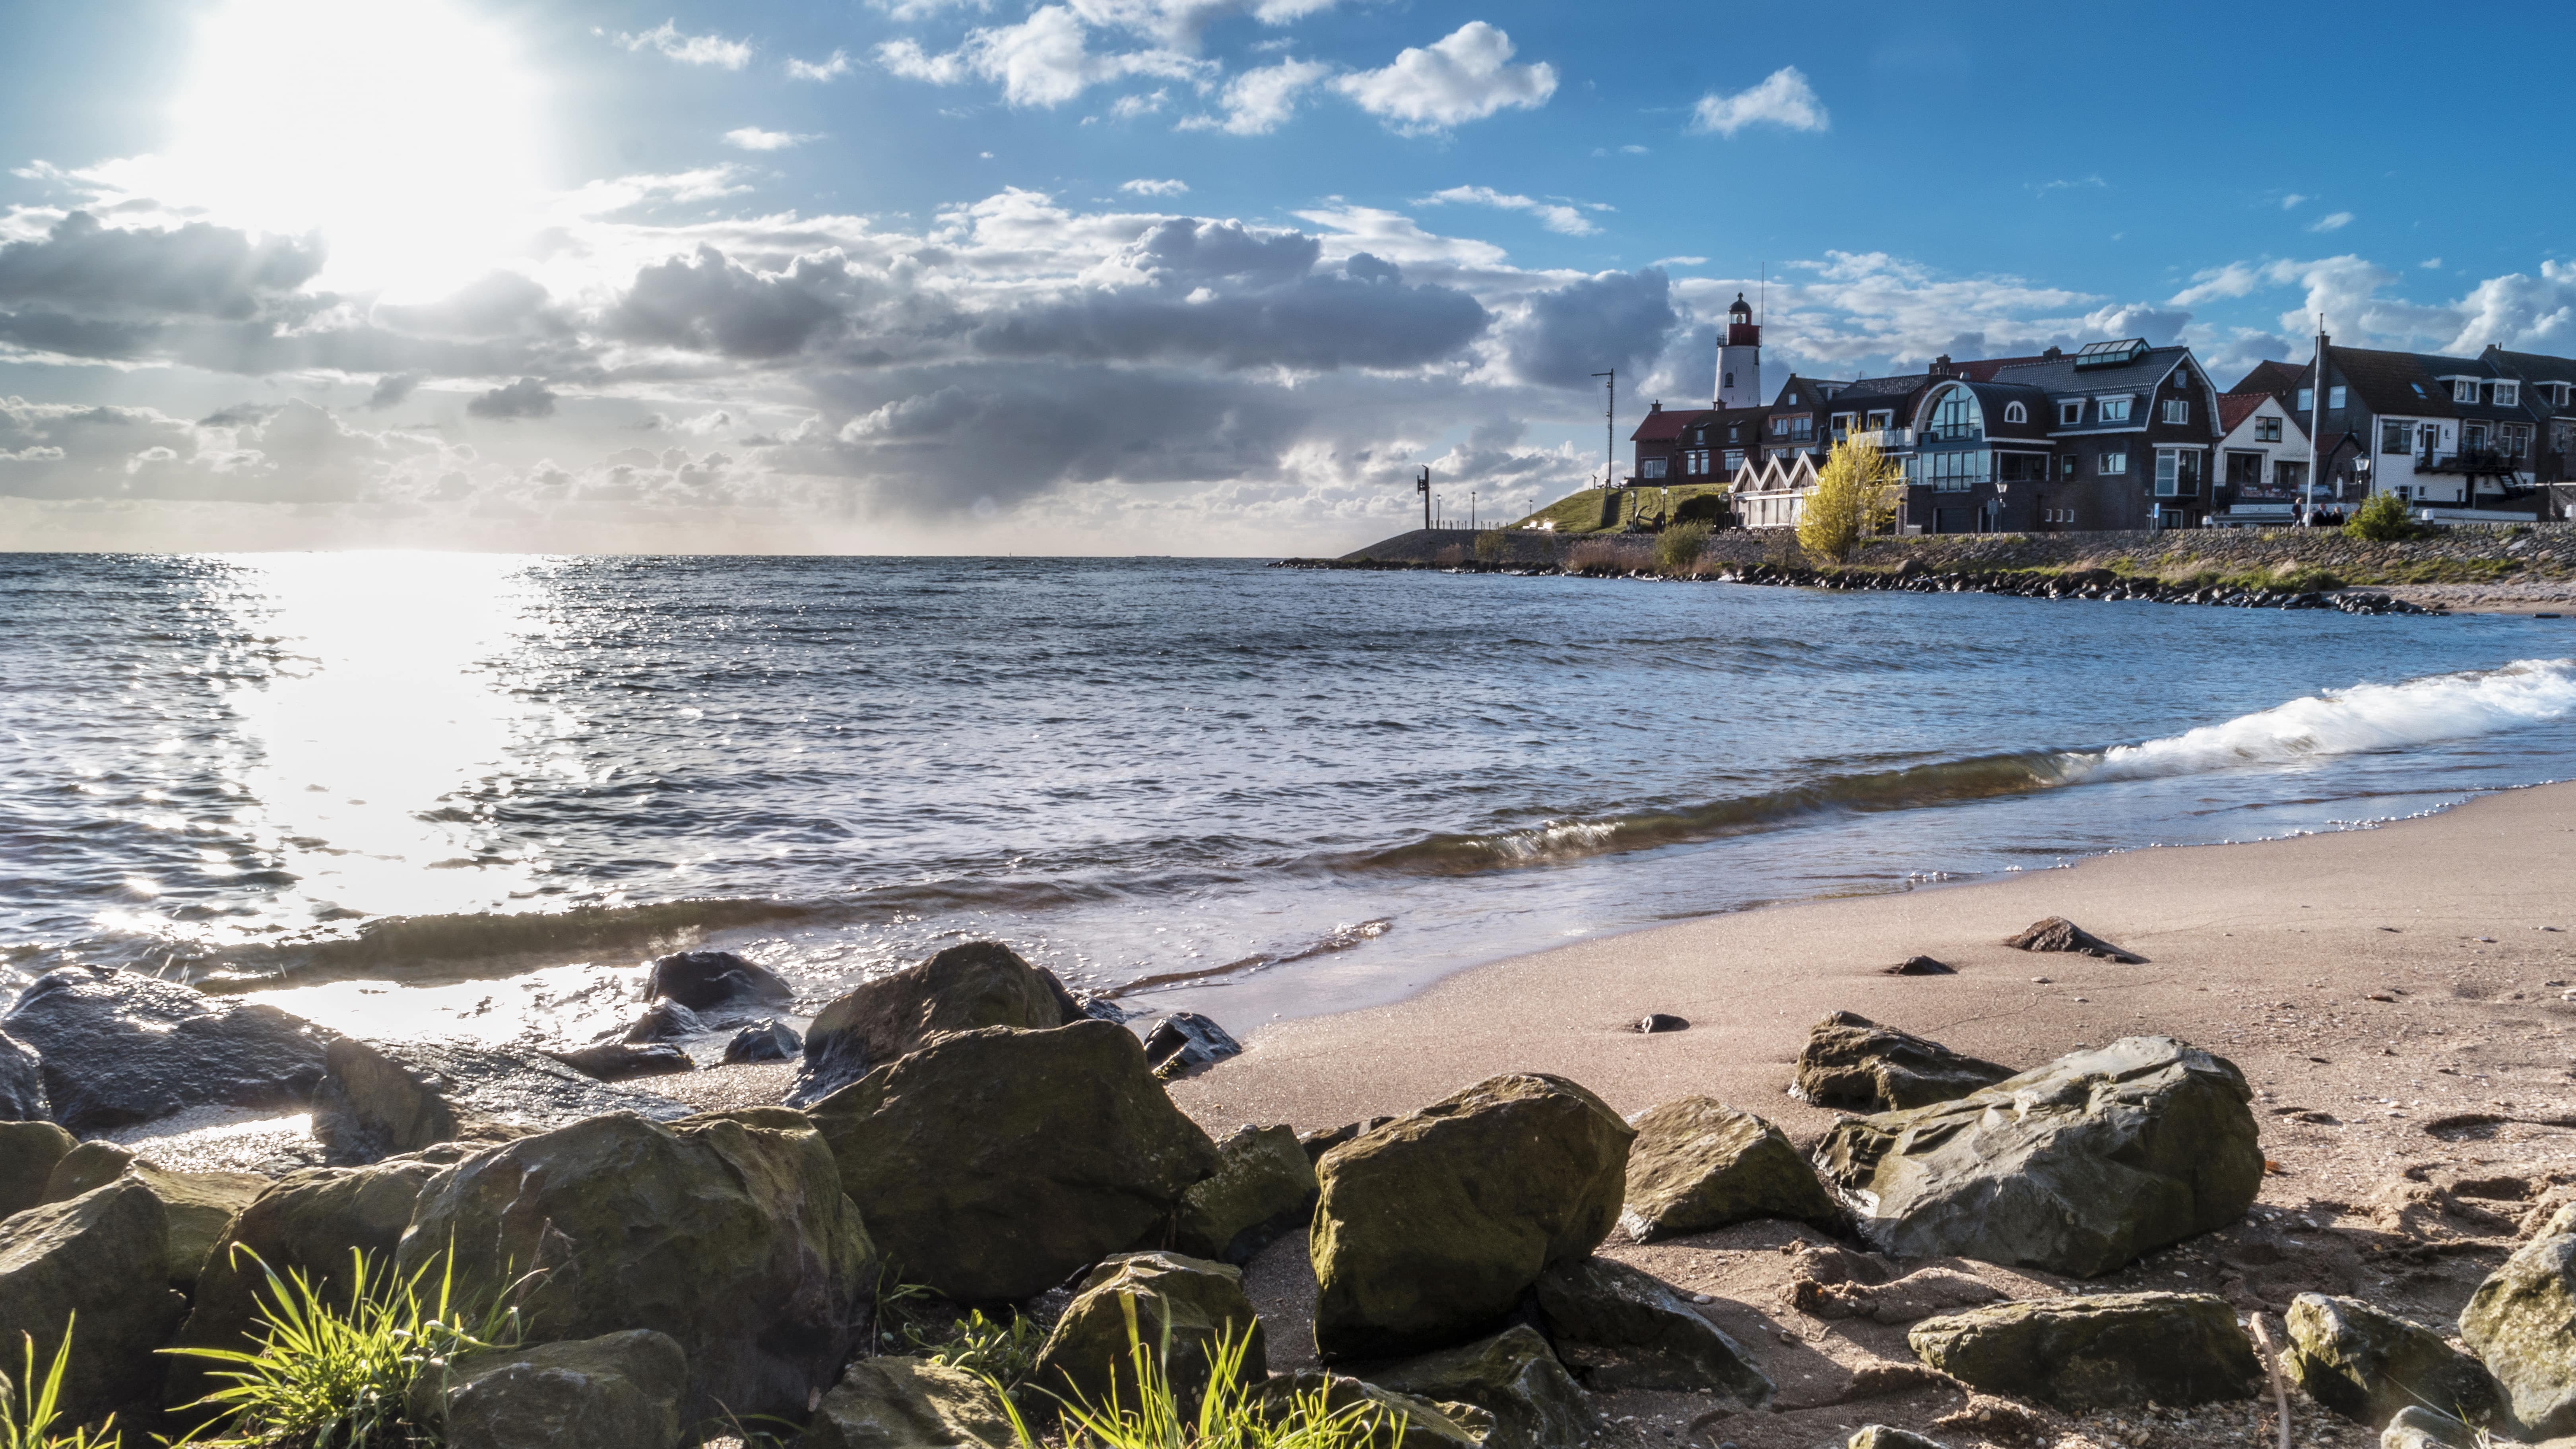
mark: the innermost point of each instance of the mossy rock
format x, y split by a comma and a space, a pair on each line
992, 1165
103, 1256
1180, 1306
28, 1154
1513, 1376
1622, 1328
964, 988
2076, 1167
909, 1403
1264, 1185
1431, 1228
1698, 1165
2366, 1364
2100, 1351
1852, 1062
2519, 1324
734, 1239
616, 1391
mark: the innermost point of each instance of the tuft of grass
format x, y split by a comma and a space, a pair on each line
1677, 549
327, 1377
1004, 1352
28, 1410
1230, 1415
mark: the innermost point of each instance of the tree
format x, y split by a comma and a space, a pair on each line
2382, 518
1854, 497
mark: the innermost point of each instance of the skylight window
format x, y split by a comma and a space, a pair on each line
2111, 354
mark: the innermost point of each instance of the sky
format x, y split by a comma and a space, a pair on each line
1155, 276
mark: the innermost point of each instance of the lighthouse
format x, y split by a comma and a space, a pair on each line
1739, 359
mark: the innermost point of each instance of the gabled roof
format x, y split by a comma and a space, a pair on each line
2533, 366
1664, 424
2236, 407
2400, 382
2277, 378
2059, 375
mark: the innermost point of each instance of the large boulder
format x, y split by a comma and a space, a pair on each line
22, 1083
1621, 1328
29, 1152
1698, 1165
199, 1206
616, 1391
87, 1168
1264, 1185
2108, 1350
615, 1061
993, 1164
1430, 1228
909, 1403
728, 1232
1513, 1376
717, 981
385, 1098
1188, 1309
1853, 1062
2366, 1364
2521, 1323
964, 988
767, 1040
2077, 1167
121, 1048
103, 1257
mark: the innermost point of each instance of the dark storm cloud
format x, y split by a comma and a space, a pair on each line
526, 398
1618, 319
196, 270
710, 303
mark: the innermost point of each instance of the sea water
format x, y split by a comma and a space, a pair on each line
465, 795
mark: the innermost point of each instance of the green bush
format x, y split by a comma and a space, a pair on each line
1701, 508
1677, 549
28, 1411
2382, 518
1493, 546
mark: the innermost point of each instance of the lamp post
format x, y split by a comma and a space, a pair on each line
1422, 485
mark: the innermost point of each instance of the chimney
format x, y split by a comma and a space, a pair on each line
2054, 352
1658, 407
1940, 366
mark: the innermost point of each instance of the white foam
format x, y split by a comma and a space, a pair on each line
2353, 721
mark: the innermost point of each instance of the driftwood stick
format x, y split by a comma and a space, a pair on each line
2272, 1366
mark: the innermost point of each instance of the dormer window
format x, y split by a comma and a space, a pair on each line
2508, 395
2464, 390
2115, 409
2015, 413
2070, 413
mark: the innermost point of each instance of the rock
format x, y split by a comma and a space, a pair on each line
1185, 1042
1102, 1008
663, 1021
2417, 1427
2108, 1350
1315, 1144
1187, 1305
103, 1256
964, 988
2366, 1364
2076, 1167
1264, 1185
615, 1061
1655, 1021
1431, 1227
1920, 1294
1621, 1328
2060, 934
120, 1048
992, 1164
1920, 966
1387, 1416
383, 1098
763, 1041
1883, 1436
307, 1222
22, 1083
28, 1153
86, 1168
1698, 1165
616, 1391
1851, 1061
1512, 1376
909, 1403
734, 1239
2518, 1324
717, 981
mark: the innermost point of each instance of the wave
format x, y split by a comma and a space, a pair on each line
2364, 718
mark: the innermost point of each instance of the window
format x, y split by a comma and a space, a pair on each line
2513, 439
2177, 410
1651, 468
2115, 409
2307, 401
2464, 390
1882, 419
1956, 472
2267, 430
1726, 380
2066, 467
2177, 473
2289, 475
2334, 399
2397, 437
1802, 426
2070, 413
1956, 415
2404, 493
2021, 467
2508, 394
2473, 437
1734, 461
2556, 392
1842, 425
2113, 465
2015, 413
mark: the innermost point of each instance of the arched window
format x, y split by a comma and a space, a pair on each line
2015, 413
1955, 414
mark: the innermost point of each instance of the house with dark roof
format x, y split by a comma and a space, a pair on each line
2549, 394
2455, 437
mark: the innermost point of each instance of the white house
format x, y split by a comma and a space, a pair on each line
2263, 459
1773, 494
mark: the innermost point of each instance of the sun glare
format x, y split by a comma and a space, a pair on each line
405, 131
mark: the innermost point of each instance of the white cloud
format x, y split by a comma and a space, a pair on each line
2431, 264
1128, 108
1632, 150
2094, 182
910, 10
752, 138
1044, 60
831, 67
1458, 78
1562, 219
2336, 221
1181, 23
1782, 99
1143, 187
1260, 101
1679, 262
712, 50
2291, 201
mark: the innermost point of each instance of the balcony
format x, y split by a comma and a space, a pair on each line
2479, 461
1886, 440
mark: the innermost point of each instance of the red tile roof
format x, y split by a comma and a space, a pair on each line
1664, 426
2236, 407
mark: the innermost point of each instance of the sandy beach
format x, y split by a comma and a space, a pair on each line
2396, 997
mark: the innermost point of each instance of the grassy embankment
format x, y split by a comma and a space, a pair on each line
1589, 510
